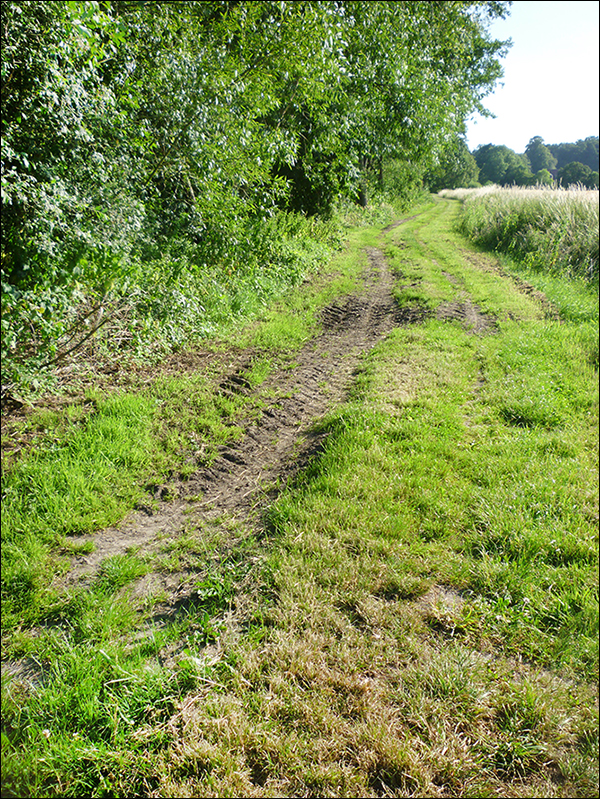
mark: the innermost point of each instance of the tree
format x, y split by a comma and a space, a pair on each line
438, 64
544, 178
195, 115
585, 151
539, 155
60, 163
491, 161
574, 173
457, 168
135, 132
518, 173
499, 164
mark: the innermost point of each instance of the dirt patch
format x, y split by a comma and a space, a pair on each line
398, 222
471, 317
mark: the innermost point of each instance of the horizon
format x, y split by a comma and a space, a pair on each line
547, 143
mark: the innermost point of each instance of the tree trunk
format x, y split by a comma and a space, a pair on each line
362, 191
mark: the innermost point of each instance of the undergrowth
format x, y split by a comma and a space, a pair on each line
166, 298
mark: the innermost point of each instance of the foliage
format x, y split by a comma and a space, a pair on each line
518, 174
402, 182
544, 177
585, 151
575, 173
501, 165
458, 168
145, 144
539, 155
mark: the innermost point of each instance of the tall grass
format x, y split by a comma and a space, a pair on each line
550, 230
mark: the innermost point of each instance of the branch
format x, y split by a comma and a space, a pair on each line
76, 346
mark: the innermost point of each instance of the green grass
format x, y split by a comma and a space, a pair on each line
419, 615
96, 472
93, 461
291, 323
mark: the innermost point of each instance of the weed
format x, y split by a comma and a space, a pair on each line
552, 231
117, 571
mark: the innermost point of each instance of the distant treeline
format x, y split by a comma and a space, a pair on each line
584, 151
566, 164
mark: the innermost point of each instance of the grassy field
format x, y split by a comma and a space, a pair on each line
550, 230
417, 615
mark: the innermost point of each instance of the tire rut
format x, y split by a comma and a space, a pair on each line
244, 475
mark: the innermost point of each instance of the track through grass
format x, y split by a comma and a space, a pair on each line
416, 612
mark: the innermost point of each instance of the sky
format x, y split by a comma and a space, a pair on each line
550, 83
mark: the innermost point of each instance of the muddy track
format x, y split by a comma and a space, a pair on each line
244, 476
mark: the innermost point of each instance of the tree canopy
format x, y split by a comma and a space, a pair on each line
575, 172
539, 163
544, 177
539, 155
456, 168
499, 164
584, 151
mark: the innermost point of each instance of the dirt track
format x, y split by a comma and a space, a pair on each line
272, 449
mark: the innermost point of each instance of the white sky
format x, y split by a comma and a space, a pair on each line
550, 76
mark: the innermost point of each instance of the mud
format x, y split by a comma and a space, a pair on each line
245, 475
472, 318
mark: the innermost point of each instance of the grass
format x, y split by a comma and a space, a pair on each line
95, 460
97, 472
289, 324
552, 230
419, 615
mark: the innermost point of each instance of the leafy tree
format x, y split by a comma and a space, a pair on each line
585, 151
401, 179
539, 155
573, 173
499, 164
137, 134
544, 178
519, 174
57, 170
437, 68
457, 168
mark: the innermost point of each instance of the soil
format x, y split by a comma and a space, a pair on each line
245, 476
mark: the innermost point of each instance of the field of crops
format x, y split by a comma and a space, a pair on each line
551, 230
